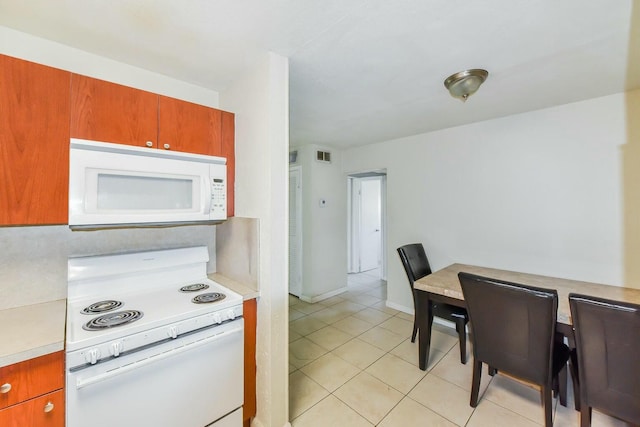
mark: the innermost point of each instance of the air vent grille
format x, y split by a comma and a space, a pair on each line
323, 156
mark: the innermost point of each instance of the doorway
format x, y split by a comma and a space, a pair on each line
367, 234
295, 230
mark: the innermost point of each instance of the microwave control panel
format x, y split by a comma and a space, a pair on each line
218, 198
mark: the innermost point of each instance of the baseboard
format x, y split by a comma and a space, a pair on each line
256, 423
399, 307
321, 297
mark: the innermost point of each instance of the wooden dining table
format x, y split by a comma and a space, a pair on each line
443, 286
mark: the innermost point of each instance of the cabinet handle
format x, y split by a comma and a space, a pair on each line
167, 146
5, 388
149, 144
48, 407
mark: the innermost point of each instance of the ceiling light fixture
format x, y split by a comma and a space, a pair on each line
465, 83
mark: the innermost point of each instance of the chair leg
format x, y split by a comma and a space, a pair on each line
547, 402
462, 337
491, 371
475, 382
415, 330
585, 416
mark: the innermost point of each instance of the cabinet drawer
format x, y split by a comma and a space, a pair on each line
31, 378
43, 411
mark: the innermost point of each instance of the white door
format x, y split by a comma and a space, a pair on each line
295, 231
370, 223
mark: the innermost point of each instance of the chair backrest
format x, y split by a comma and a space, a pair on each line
415, 262
608, 344
513, 325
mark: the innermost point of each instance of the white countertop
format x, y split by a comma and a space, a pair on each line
31, 331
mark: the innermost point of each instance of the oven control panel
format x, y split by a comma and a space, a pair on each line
114, 348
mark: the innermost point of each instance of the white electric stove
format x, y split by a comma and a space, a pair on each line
148, 333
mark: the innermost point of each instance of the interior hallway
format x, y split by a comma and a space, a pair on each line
352, 363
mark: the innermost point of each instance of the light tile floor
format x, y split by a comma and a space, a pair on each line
352, 363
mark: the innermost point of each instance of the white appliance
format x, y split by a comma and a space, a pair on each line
151, 341
112, 185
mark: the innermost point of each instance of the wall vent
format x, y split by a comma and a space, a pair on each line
323, 156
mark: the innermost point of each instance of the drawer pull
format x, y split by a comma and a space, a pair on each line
48, 407
5, 388
166, 146
149, 144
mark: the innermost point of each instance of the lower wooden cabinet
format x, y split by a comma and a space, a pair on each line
250, 314
43, 411
32, 392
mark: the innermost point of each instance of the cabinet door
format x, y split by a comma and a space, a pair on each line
34, 143
108, 112
250, 314
228, 151
43, 411
184, 126
32, 378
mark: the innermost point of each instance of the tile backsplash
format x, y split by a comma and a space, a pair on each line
33, 260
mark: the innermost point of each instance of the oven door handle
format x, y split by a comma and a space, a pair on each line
80, 383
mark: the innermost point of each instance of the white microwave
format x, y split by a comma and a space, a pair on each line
114, 185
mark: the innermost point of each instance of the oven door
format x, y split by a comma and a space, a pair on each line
191, 381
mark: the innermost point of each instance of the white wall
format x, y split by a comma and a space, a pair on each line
324, 262
260, 100
35, 49
539, 192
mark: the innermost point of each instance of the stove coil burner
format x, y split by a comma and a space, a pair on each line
208, 298
101, 307
111, 320
194, 288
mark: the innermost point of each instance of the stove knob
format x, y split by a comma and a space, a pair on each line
172, 332
92, 356
115, 348
231, 314
217, 317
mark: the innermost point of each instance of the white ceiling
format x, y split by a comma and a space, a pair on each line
363, 71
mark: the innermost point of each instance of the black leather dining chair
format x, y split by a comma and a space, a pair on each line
514, 331
416, 265
607, 335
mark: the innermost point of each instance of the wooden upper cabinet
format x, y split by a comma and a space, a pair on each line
34, 143
193, 128
109, 112
228, 151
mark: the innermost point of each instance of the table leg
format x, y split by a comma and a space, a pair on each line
567, 332
424, 319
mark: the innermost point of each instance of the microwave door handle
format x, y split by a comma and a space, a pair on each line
207, 194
